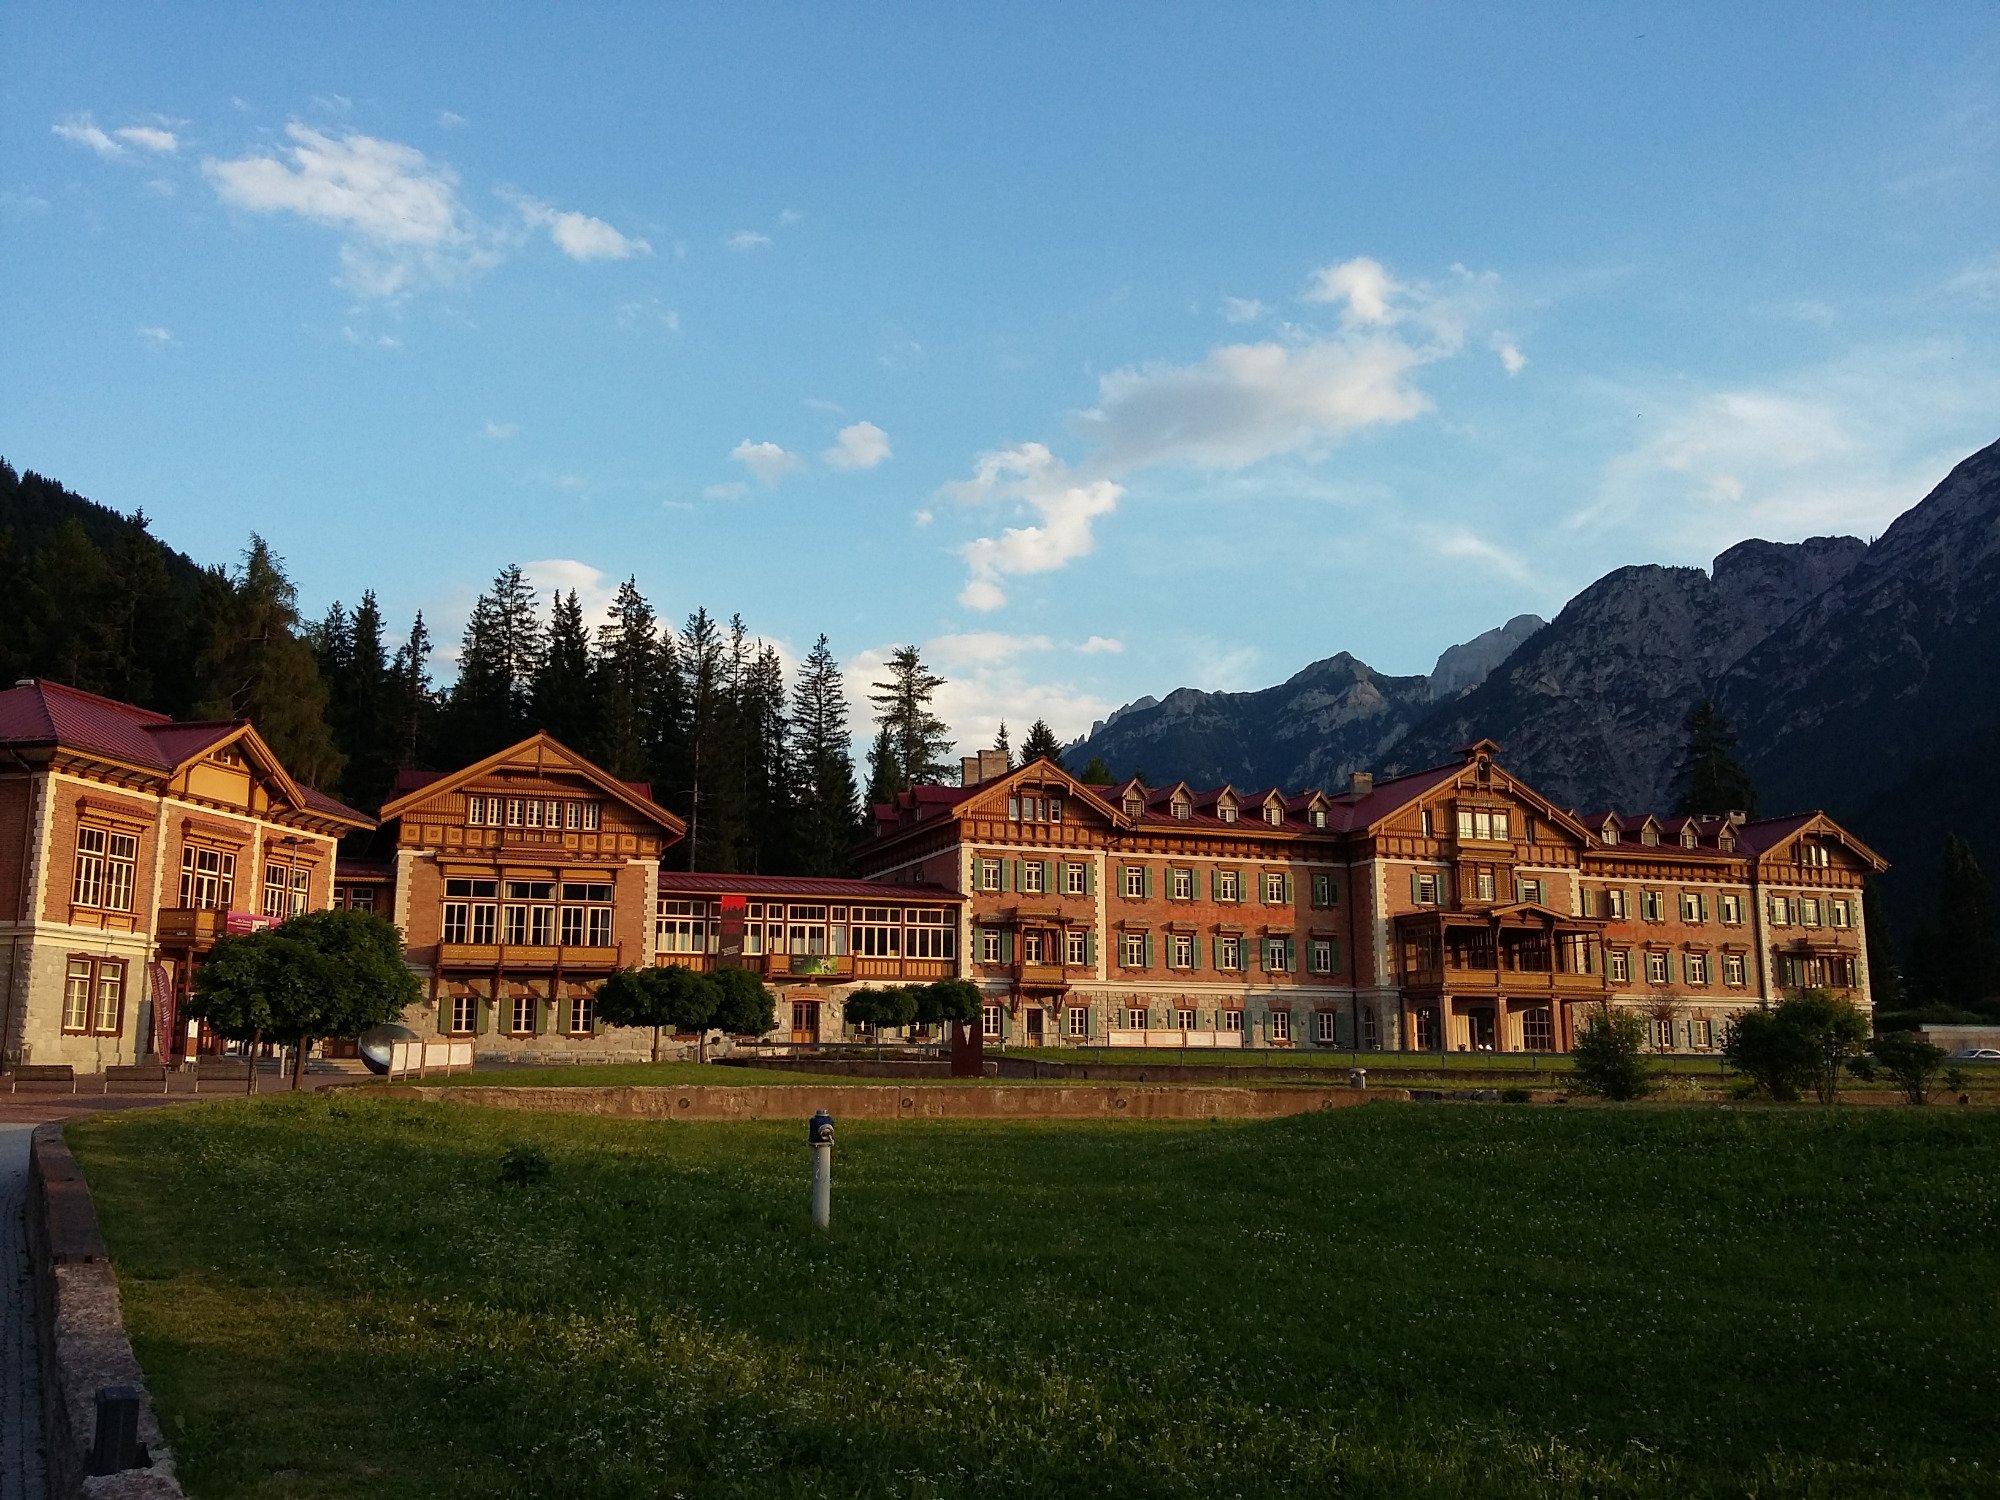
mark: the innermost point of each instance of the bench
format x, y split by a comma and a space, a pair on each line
124, 1074
54, 1074
223, 1070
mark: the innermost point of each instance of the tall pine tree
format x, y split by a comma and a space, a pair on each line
256, 667
769, 772
492, 703
565, 700
1710, 780
919, 738
412, 705
625, 676
1964, 957
825, 819
1041, 743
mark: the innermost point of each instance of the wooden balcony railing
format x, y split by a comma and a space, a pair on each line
525, 956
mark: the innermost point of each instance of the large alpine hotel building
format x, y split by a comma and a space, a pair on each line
1454, 908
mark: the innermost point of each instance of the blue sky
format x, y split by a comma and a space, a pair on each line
1099, 350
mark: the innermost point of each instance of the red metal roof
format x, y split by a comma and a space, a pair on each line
36, 712
705, 883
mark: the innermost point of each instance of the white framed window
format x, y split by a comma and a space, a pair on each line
1695, 966
1230, 1020
1278, 954
1274, 814
582, 1015
208, 878
464, 1014
931, 933
521, 1021
1694, 908
1229, 952
1182, 885
1663, 1035
1617, 904
1075, 882
1701, 1035
1425, 889
1729, 908
1485, 824
681, 926
1809, 912
1076, 949
1078, 1022
76, 994
1031, 947
1032, 881
1180, 946
1183, 809
1186, 1020
1618, 965
1135, 881
1813, 856
1652, 906
989, 1022
1733, 969
1325, 1027
1371, 1029
1228, 885
516, 812
1656, 968
989, 945
1281, 1026
1132, 950
1323, 956
1781, 911
1135, 1018
106, 865
1529, 891
1274, 888
989, 874
1483, 885
1840, 913
1325, 892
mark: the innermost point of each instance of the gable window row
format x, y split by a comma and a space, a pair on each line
534, 812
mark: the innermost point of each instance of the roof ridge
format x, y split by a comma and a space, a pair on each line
129, 710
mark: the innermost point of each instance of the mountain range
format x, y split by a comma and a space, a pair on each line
1860, 677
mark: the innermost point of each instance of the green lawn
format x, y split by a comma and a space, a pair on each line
638, 1074
337, 1295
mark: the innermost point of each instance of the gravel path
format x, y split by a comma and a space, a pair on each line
21, 1475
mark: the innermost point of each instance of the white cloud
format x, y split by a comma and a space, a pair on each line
650, 312
1237, 406
1845, 447
158, 337
1511, 357
1243, 309
860, 446
983, 647
81, 130
1101, 645
500, 431
767, 462
820, 403
923, 517
554, 575
450, 120
1458, 542
735, 489
1028, 477
1363, 285
578, 235
790, 216
988, 678
747, 239
150, 138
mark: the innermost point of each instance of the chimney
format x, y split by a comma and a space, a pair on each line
992, 763
1360, 783
968, 770
1737, 817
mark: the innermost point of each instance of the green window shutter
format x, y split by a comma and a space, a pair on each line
596, 1021
444, 1017
1090, 877
1048, 876
1194, 953
1288, 888
1215, 951
1006, 945
1148, 874
1149, 951
1291, 956
1415, 891
482, 1017
1090, 949
1214, 884
541, 1016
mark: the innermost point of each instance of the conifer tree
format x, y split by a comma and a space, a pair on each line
625, 675
1041, 743
1964, 961
492, 703
1710, 780
363, 704
255, 667
1095, 772
1885, 973
1000, 743
825, 767
704, 666
921, 740
565, 703
885, 777
411, 704
770, 776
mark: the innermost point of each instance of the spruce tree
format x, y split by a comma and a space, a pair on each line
701, 652
1000, 743
365, 698
565, 702
1041, 743
625, 677
1095, 772
1885, 974
255, 667
1710, 780
825, 767
921, 740
885, 776
491, 705
411, 704
770, 780
1965, 961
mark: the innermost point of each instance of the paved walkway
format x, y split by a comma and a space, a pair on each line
21, 1475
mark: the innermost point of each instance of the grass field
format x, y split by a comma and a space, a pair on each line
338, 1295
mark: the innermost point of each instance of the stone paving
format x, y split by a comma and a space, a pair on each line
21, 1475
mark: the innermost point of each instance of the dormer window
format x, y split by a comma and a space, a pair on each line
1610, 833
1274, 815
1813, 856
1226, 813
1649, 836
1134, 805
1183, 809
1319, 817
1687, 838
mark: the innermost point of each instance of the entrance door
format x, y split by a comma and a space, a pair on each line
1034, 1016
1479, 1029
805, 1021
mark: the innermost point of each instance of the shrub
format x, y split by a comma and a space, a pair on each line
523, 1166
1513, 1096
1606, 1061
744, 1005
1802, 1043
1910, 1062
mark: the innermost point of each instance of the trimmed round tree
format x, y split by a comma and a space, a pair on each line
674, 996
1606, 1060
324, 973
746, 1006
948, 1000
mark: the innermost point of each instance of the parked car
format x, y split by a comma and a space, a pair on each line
1981, 1054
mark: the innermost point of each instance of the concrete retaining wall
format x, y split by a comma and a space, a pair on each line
82, 1333
944, 1102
